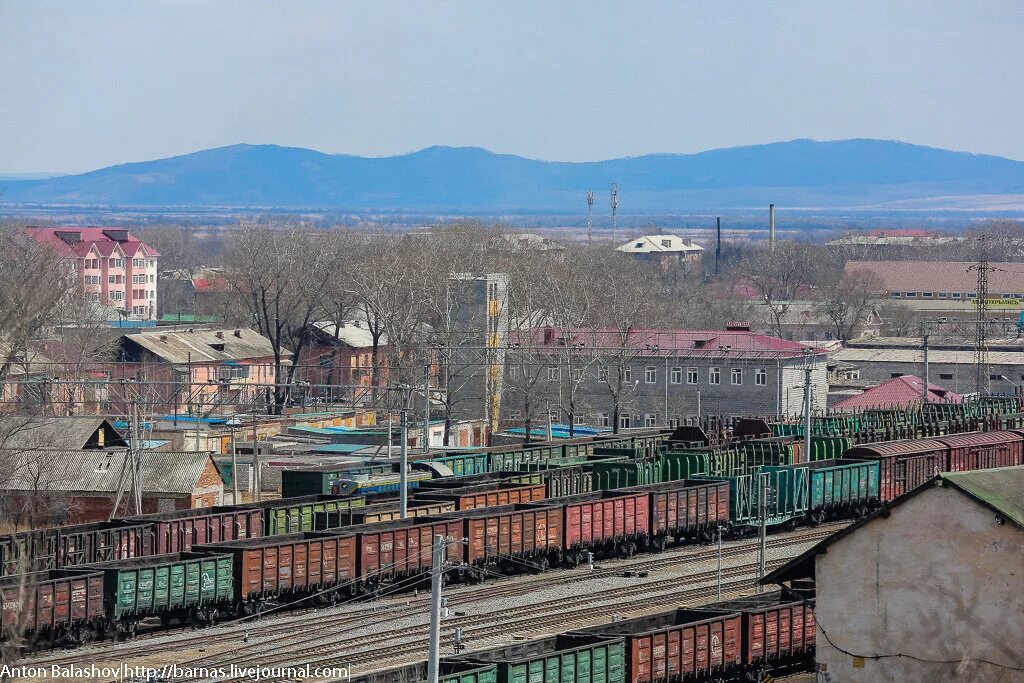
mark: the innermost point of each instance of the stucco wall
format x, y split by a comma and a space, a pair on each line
939, 580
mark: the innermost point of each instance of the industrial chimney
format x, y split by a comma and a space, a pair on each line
771, 226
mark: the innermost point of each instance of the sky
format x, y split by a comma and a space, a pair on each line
89, 84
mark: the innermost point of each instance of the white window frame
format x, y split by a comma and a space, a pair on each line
676, 376
760, 377
602, 372
714, 375
650, 375
692, 375
650, 419
553, 373
736, 376
606, 420
627, 373
625, 421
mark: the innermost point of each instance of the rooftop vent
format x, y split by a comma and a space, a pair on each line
163, 337
117, 235
238, 333
737, 326
69, 236
219, 334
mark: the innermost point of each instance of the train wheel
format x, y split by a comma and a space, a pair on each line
542, 564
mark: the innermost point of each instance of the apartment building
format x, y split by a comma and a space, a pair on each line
116, 269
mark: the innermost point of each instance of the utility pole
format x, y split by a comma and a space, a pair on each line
548, 414
981, 369
426, 408
391, 433
924, 389
719, 562
436, 571
666, 423
257, 483
403, 449
590, 215
807, 411
614, 205
765, 487
232, 423
718, 243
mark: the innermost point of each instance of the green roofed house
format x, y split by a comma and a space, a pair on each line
928, 588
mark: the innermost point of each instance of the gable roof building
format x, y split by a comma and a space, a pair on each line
661, 245
899, 392
927, 588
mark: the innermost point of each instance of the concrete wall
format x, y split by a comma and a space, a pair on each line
938, 580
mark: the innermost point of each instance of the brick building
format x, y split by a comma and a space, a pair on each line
116, 269
342, 353
72, 486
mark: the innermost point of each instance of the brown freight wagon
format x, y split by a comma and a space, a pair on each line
56, 605
903, 465
683, 644
178, 531
75, 545
514, 537
486, 495
290, 565
392, 550
983, 450
602, 521
778, 632
685, 509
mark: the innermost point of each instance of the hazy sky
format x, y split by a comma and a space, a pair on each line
88, 84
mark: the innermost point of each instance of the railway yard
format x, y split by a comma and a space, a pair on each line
630, 558
370, 635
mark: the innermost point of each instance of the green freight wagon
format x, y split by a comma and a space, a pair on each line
786, 489
829, 447
558, 659
189, 587
292, 515
523, 458
449, 671
839, 488
620, 474
677, 465
464, 464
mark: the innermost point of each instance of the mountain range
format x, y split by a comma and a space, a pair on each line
858, 173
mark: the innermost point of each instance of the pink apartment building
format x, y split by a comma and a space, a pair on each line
116, 269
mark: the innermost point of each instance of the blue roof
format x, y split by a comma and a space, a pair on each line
339, 448
190, 418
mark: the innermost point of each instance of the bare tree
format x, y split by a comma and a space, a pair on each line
848, 301
779, 275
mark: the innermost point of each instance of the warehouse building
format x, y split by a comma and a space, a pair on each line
929, 588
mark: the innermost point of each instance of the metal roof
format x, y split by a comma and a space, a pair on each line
30, 432
205, 346
1001, 489
95, 471
656, 243
352, 333
964, 357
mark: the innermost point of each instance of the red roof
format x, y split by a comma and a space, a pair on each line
106, 240
717, 343
898, 392
217, 283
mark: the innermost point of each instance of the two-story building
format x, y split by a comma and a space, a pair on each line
116, 269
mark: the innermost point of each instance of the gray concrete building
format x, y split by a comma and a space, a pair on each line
655, 377
930, 588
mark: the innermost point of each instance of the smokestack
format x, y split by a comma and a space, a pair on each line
771, 226
718, 244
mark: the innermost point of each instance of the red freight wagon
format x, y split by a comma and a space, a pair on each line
685, 508
682, 644
778, 631
179, 530
394, 549
55, 604
903, 465
486, 495
983, 450
289, 564
602, 521
502, 534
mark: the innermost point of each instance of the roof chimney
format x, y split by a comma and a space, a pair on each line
238, 333
219, 334
771, 226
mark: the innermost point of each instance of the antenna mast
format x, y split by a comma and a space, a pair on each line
614, 205
590, 214
981, 368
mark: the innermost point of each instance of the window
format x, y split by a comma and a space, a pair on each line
513, 372
152, 279
606, 420
553, 374
926, 295
677, 375
673, 421
578, 420
760, 377
995, 376
625, 421
942, 295
650, 420
894, 375
650, 374
691, 376
895, 295
138, 263
714, 376
602, 372
627, 374
138, 279
737, 375
955, 295
116, 296
116, 262
972, 295
110, 279
911, 295
945, 375
666, 243
577, 374
152, 294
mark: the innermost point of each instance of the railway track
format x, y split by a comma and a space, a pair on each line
277, 637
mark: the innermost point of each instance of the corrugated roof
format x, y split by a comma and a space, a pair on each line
899, 391
351, 333
1002, 489
205, 346
941, 276
964, 357
29, 432
100, 471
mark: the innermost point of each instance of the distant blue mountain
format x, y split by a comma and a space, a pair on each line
800, 173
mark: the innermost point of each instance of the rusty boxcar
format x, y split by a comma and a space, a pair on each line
53, 606
602, 522
983, 450
179, 530
903, 465
778, 632
685, 509
486, 495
